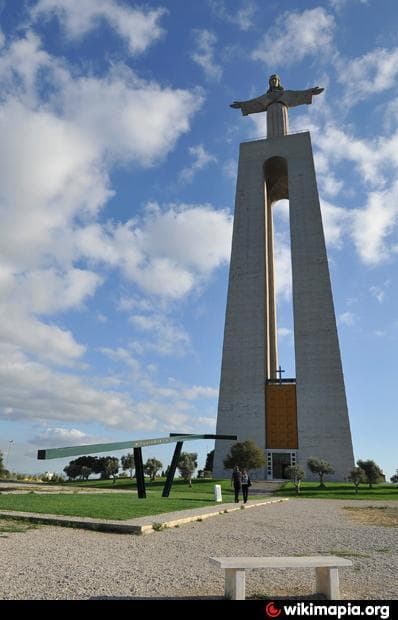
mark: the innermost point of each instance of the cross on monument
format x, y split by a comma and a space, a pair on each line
279, 372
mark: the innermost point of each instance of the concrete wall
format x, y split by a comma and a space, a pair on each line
323, 426
241, 400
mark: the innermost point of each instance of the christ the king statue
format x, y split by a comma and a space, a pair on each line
275, 102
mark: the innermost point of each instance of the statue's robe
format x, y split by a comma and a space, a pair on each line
289, 98
276, 104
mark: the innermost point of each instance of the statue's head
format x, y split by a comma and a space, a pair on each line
275, 82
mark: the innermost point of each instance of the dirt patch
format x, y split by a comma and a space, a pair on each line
386, 516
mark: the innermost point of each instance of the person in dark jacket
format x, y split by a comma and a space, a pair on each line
245, 482
236, 479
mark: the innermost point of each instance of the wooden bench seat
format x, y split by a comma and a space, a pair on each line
326, 570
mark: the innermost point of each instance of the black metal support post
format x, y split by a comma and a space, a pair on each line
139, 473
172, 470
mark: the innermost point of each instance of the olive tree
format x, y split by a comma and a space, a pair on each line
373, 473
320, 467
245, 454
152, 467
357, 475
128, 462
296, 475
187, 465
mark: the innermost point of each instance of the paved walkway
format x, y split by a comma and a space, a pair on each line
139, 525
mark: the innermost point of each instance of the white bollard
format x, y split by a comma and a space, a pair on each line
217, 493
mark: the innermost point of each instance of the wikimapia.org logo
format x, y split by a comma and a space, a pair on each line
339, 611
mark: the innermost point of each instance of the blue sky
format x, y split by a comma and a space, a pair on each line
118, 158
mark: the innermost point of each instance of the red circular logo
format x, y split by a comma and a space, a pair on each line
272, 611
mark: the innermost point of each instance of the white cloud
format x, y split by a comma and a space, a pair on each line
328, 183
340, 4
243, 17
369, 74
374, 224
378, 293
336, 223
127, 304
230, 169
127, 118
38, 202
374, 159
55, 159
203, 55
380, 333
162, 335
168, 251
347, 318
199, 391
283, 267
122, 355
168, 407
47, 291
296, 35
20, 64
201, 159
32, 390
59, 436
139, 27
283, 332
48, 342
371, 222
194, 236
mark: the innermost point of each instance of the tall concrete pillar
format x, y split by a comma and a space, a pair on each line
243, 371
281, 167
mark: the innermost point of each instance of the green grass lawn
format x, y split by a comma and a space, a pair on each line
340, 490
119, 505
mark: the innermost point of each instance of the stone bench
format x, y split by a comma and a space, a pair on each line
326, 570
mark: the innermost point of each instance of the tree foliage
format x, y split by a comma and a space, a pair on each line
357, 475
128, 462
151, 468
83, 466
85, 472
246, 454
187, 465
107, 466
209, 461
373, 473
320, 467
78, 468
394, 478
4, 473
296, 475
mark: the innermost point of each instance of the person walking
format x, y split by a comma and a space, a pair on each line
236, 479
245, 482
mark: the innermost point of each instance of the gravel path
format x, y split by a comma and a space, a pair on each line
62, 563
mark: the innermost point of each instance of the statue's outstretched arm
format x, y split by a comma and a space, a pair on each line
252, 106
317, 90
